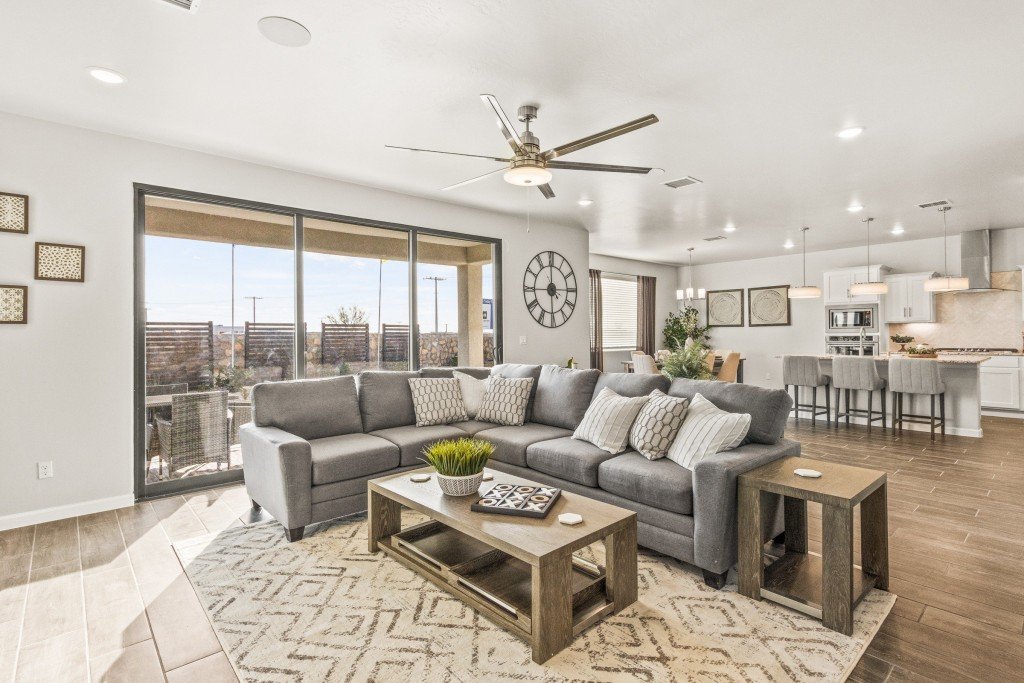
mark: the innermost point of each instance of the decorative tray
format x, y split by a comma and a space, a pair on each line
522, 501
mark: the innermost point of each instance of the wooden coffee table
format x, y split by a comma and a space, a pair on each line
519, 572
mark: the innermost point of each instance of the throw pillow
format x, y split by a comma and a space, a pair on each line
506, 400
657, 425
608, 419
437, 401
707, 430
473, 391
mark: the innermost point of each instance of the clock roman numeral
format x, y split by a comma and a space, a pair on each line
532, 305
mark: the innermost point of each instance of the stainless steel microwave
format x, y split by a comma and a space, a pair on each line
852, 318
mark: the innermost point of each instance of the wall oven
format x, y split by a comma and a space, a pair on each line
850, 345
852, 318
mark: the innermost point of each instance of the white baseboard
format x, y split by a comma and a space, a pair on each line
1011, 414
87, 507
908, 426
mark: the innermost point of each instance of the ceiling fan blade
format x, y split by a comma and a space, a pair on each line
611, 168
546, 190
437, 151
507, 129
600, 137
473, 180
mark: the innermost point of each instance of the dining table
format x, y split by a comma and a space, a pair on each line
627, 366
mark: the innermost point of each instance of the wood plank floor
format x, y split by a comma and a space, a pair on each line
103, 597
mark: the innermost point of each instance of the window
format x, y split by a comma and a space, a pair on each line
618, 310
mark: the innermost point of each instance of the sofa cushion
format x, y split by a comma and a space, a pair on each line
567, 458
514, 370
437, 401
631, 383
412, 440
658, 483
563, 395
510, 443
385, 399
768, 408
308, 408
479, 373
350, 456
471, 427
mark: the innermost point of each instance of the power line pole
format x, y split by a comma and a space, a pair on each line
436, 279
254, 300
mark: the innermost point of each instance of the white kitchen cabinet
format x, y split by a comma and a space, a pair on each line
838, 283
907, 300
1000, 383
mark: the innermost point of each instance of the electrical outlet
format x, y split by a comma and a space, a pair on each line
522, 340
45, 469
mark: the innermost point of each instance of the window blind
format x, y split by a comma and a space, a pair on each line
618, 308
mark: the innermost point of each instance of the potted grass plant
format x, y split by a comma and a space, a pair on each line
459, 464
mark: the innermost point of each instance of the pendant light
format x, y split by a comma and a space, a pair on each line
869, 288
689, 293
945, 282
805, 291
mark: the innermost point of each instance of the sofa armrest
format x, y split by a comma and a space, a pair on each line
714, 500
278, 469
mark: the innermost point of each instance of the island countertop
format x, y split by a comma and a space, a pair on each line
948, 358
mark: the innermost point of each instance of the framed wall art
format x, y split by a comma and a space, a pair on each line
725, 308
61, 262
14, 213
768, 306
13, 305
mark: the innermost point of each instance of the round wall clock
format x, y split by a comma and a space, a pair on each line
549, 288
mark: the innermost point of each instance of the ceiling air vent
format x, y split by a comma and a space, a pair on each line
715, 238
933, 205
183, 4
683, 182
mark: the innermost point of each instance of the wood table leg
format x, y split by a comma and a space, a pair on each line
874, 536
385, 518
620, 566
750, 572
795, 510
551, 610
837, 568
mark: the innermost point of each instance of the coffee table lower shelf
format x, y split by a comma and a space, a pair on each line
795, 580
497, 584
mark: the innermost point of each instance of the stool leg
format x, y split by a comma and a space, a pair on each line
871, 400
931, 419
942, 412
814, 405
883, 408
828, 406
838, 404
895, 414
848, 391
796, 401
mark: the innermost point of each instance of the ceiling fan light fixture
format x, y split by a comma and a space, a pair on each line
528, 176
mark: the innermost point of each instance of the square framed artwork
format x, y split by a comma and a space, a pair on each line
13, 305
14, 213
768, 306
725, 308
61, 262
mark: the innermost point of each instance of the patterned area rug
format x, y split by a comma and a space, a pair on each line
324, 609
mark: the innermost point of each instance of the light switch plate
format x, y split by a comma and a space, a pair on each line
522, 340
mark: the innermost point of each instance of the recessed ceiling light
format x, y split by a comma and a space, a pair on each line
585, 202
897, 230
789, 244
850, 133
284, 31
107, 76
854, 208
729, 227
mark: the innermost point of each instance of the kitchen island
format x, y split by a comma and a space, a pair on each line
961, 374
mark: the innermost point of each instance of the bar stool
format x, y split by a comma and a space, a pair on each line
851, 374
805, 371
917, 376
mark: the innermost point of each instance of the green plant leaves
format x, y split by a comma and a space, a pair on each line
458, 457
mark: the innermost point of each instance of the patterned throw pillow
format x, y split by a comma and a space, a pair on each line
707, 430
657, 425
506, 400
608, 419
473, 391
437, 401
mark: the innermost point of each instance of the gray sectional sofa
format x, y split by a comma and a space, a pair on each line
313, 445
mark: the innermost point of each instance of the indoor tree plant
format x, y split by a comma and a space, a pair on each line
459, 464
688, 362
682, 326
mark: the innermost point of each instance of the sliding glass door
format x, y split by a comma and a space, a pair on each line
221, 284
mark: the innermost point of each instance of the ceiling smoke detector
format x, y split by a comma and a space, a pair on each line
935, 205
683, 182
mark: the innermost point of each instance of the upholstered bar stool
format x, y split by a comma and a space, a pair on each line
805, 371
917, 376
852, 374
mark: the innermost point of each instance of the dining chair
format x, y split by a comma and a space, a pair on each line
709, 360
644, 364
729, 370
197, 432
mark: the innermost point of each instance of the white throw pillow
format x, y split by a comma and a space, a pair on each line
506, 400
608, 419
657, 424
473, 391
437, 401
707, 430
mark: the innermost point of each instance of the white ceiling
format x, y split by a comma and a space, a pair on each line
750, 95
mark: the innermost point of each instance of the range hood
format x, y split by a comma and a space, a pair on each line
976, 260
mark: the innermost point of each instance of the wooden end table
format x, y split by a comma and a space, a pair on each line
827, 587
519, 572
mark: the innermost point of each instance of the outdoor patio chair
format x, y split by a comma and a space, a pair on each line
197, 432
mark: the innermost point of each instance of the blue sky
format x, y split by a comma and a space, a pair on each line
190, 281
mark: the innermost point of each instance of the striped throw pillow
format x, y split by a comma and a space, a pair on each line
608, 419
707, 430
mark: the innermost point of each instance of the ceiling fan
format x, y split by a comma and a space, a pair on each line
528, 166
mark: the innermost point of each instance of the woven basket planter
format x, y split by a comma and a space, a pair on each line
460, 486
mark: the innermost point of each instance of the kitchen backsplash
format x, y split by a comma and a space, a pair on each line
983, 319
